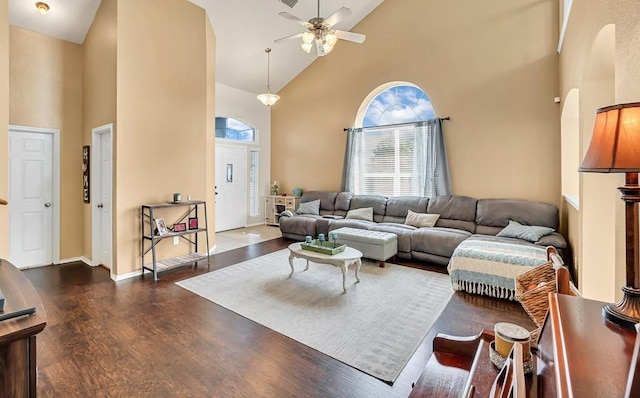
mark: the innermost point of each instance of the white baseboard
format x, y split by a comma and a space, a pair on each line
82, 259
128, 275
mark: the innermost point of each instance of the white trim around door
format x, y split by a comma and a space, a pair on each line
55, 134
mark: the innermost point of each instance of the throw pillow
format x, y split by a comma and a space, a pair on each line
312, 207
421, 219
532, 233
365, 213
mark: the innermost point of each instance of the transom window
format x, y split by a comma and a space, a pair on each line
232, 129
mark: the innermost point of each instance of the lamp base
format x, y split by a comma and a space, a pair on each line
626, 312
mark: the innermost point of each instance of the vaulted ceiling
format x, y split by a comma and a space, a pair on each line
243, 28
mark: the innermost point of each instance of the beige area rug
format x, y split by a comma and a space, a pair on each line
375, 326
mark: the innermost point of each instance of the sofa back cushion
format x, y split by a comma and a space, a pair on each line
494, 214
327, 200
398, 207
342, 203
378, 202
457, 212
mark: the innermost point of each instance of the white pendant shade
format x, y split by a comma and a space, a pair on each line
268, 99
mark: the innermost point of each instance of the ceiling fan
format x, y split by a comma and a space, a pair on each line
320, 32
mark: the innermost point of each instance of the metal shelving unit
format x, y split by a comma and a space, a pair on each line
150, 237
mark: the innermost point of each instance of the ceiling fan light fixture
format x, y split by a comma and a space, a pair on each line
331, 38
327, 47
268, 99
43, 8
307, 38
307, 47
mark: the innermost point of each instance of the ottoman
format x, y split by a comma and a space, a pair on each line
375, 245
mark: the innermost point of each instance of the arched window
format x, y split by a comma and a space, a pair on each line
401, 103
399, 150
232, 129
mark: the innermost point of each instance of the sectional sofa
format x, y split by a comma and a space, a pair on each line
460, 217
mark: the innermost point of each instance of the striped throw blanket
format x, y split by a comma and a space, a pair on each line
488, 265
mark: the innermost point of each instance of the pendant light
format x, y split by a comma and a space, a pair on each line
268, 99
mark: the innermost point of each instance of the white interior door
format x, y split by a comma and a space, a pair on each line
101, 182
231, 187
31, 198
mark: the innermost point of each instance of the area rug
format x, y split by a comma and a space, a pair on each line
375, 326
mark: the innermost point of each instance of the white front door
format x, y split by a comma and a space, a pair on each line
101, 183
231, 187
31, 198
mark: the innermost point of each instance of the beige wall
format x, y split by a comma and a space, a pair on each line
162, 110
99, 104
4, 123
491, 66
599, 57
45, 87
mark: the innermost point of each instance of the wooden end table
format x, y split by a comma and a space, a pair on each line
341, 260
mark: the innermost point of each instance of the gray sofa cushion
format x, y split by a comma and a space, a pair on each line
457, 212
398, 206
378, 202
351, 223
312, 207
343, 200
439, 241
299, 225
494, 214
532, 233
327, 200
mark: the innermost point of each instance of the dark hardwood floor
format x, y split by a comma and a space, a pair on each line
137, 338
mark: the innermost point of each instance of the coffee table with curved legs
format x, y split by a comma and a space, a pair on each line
341, 260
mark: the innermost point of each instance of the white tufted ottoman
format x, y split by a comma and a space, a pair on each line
373, 244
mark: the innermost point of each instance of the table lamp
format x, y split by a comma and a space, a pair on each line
615, 148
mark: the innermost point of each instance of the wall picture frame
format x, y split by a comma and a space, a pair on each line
161, 226
193, 223
179, 227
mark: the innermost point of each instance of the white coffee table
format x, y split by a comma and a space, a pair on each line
341, 260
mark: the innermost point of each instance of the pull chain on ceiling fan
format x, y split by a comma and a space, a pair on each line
320, 32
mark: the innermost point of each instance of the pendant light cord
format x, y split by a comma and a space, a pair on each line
268, 50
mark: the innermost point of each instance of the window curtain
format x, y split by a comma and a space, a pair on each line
430, 175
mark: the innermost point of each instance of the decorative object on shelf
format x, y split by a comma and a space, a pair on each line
498, 360
320, 32
193, 223
275, 187
179, 227
161, 226
297, 192
614, 148
268, 99
85, 174
509, 333
177, 197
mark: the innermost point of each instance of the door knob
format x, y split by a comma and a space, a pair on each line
47, 204
100, 205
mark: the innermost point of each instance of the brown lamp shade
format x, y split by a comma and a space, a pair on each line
615, 144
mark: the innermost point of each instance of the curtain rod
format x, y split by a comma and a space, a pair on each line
400, 124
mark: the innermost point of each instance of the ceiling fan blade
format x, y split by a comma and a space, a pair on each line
296, 36
319, 48
294, 19
338, 16
350, 36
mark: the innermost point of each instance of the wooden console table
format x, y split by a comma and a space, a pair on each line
579, 355
18, 335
